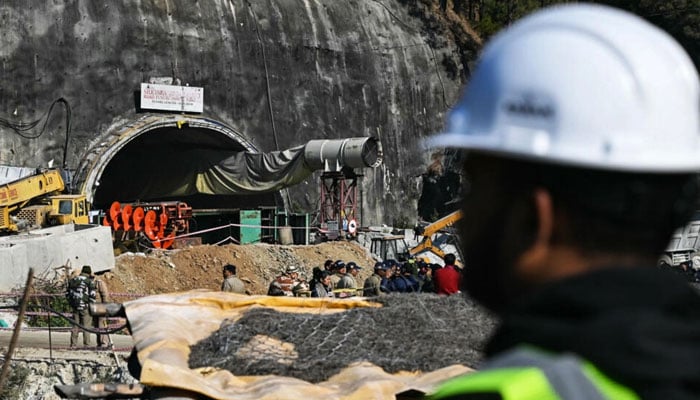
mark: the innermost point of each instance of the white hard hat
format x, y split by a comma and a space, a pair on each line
290, 269
582, 85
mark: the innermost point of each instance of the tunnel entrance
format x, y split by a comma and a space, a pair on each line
148, 163
156, 163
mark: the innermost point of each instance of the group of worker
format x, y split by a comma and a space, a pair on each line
83, 290
335, 279
414, 276
340, 280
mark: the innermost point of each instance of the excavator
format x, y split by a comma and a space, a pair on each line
36, 201
428, 233
433, 237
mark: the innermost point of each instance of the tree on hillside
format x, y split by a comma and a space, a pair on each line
680, 18
490, 16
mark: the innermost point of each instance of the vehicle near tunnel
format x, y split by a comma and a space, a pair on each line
38, 201
684, 247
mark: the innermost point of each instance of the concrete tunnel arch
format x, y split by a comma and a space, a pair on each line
153, 150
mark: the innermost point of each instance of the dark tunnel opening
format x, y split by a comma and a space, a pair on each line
155, 164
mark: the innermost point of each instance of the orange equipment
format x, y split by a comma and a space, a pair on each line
159, 222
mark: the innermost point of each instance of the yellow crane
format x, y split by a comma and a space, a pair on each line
395, 247
36, 201
428, 231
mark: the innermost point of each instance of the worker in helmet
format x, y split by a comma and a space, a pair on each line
580, 125
287, 284
347, 280
338, 270
376, 285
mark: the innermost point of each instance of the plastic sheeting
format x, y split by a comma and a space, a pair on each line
245, 173
221, 172
165, 326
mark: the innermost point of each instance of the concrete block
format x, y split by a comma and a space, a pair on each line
48, 248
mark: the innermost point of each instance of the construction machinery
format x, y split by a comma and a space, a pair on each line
390, 247
434, 238
429, 233
36, 201
684, 246
152, 225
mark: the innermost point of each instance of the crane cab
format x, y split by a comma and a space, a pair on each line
69, 209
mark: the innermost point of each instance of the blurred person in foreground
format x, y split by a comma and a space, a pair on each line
582, 137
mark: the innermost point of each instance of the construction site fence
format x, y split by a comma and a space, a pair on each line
112, 322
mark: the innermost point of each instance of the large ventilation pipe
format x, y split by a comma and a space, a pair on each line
333, 154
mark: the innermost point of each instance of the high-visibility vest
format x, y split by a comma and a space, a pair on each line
529, 374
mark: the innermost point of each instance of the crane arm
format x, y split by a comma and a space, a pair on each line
442, 223
25, 189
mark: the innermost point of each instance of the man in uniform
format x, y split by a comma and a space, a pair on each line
339, 269
101, 296
231, 282
354, 270
347, 280
582, 136
80, 293
375, 285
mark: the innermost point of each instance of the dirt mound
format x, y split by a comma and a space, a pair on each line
199, 267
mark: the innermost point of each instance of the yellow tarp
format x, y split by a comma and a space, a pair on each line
165, 326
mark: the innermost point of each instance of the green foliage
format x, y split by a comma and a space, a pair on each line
680, 18
15, 382
58, 302
490, 16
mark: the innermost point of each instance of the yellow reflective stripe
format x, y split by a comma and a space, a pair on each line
609, 388
510, 383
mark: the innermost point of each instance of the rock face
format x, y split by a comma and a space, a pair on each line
275, 74
35, 372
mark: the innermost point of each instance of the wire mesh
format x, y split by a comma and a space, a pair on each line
411, 332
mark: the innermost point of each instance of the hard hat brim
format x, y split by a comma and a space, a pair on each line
639, 162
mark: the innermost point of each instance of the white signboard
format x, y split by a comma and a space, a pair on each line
172, 98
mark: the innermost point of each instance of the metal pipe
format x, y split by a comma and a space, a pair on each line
333, 154
107, 310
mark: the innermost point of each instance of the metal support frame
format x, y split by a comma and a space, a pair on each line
338, 197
